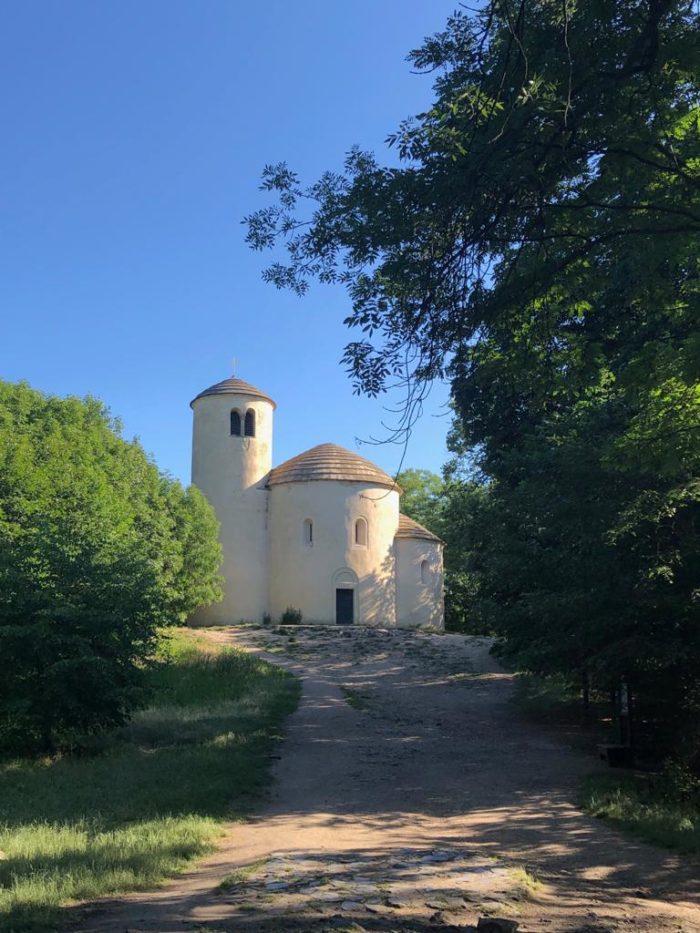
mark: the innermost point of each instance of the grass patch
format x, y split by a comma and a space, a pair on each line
241, 875
525, 884
556, 701
354, 698
641, 809
153, 798
273, 647
547, 698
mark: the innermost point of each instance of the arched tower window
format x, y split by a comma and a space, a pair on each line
250, 423
235, 424
361, 532
424, 571
307, 532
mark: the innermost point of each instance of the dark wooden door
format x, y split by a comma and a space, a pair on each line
344, 607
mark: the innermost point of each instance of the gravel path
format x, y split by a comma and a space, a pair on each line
409, 795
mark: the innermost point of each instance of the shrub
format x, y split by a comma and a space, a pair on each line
678, 783
291, 616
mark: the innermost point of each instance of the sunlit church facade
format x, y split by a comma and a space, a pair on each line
321, 533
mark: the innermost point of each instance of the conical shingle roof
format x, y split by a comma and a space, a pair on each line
234, 386
330, 462
408, 528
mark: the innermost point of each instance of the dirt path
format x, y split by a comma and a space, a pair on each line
409, 795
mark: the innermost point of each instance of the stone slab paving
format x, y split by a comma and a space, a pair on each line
449, 884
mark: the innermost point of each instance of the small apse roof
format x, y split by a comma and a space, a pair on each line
330, 462
234, 386
410, 529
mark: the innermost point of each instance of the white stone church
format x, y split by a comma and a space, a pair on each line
321, 533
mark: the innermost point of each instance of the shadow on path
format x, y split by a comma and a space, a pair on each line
432, 757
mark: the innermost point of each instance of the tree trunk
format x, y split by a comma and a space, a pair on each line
586, 695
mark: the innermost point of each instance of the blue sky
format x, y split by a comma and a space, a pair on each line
134, 133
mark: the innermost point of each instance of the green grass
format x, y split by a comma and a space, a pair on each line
642, 810
155, 796
547, 698
555, 702
354, 698
239, 876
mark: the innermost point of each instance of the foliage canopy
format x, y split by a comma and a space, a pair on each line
97, 549
537, 243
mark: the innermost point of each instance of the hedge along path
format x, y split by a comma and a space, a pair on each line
425, 800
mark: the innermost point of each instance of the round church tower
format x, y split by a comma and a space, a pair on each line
231, 458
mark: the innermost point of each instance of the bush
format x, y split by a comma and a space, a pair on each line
678, 783
97, 549
291, 616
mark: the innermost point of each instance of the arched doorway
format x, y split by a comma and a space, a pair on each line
345, 597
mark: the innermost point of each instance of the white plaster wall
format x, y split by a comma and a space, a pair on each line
230, 471
419, 603
304, 576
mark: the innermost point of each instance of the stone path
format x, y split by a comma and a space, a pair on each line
445, 882
410, 796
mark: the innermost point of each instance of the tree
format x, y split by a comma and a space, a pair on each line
97, 549
453, 509
563, 140
421, 497
537, 244
194, 580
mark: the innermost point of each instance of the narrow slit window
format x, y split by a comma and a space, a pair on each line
424, 571
361, 532
235, 424
250, 423
308, 532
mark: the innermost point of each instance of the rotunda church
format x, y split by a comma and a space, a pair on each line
321, 533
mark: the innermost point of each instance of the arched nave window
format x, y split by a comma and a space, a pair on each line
361, 532
250, 423
235, 423
307, 532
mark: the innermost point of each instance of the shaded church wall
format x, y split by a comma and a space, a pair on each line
419, 595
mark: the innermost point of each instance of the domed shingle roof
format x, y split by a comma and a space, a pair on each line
330, 462
410, 529
234, 386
